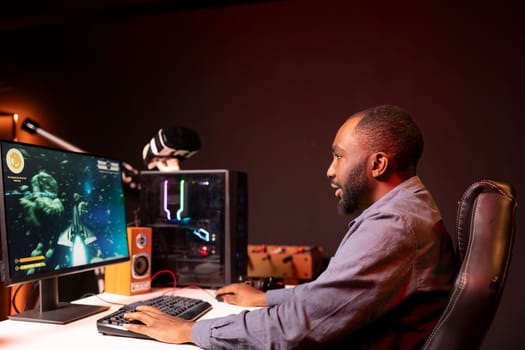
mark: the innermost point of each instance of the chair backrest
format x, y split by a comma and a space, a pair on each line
485, 230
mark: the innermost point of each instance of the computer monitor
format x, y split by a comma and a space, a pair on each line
61, 212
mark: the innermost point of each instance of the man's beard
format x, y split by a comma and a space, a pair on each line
354, 189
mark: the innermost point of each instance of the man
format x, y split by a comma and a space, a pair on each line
388, 281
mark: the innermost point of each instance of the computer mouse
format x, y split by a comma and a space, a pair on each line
219, 297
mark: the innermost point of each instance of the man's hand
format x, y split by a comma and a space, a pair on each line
160, 326
242, 294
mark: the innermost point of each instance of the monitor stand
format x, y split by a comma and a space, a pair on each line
51, 310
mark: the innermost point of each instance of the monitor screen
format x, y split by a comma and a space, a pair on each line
60, 212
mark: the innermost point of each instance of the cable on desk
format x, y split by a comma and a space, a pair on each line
165, 271
13, 298
28, 298
175, 281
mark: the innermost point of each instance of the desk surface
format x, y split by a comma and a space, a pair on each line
81, 334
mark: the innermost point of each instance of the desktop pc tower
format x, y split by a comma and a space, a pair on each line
199, 226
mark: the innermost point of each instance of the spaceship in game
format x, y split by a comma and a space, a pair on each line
76, 229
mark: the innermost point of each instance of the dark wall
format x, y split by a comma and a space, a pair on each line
267, 85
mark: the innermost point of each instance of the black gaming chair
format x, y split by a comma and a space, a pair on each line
485, 235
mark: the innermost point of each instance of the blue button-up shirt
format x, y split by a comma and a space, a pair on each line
384, 288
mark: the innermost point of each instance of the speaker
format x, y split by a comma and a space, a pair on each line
133, 276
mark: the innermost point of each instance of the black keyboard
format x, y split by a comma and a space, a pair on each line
184, 307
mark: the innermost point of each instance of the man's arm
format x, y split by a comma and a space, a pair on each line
369, 275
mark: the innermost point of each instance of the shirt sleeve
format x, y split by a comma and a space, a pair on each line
370, 274
279, 296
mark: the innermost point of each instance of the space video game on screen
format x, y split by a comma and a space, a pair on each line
65, 209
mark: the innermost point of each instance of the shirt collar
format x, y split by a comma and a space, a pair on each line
411, 185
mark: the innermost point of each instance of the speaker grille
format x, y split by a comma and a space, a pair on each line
140, 266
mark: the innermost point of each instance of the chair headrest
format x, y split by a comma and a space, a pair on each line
467, 204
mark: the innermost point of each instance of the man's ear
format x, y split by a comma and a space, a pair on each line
380, 165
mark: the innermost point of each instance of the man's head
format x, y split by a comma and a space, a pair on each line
373, 151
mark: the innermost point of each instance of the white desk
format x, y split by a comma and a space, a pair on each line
83, 334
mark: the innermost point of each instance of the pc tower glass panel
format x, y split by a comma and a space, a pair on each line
199, 222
